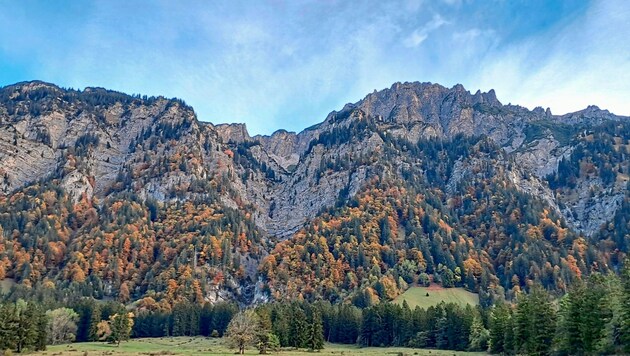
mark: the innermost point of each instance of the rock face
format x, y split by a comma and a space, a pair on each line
98, 141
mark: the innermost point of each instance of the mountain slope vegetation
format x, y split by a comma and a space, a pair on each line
109, 195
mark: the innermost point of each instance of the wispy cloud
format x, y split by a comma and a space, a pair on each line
287, 64
585, 61
420, 34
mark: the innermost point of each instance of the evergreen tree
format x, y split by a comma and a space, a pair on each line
625, 301
95, 318
370, 327
25, 331
441, 325
535, 323
267, 341
8, 326
205, 320
41, 326
280, 324
584, 314
298, 327
498, 327
315, 337
86, 309
222, 313
510, 338
120, 326
479, 335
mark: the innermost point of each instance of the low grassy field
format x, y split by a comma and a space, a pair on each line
5, 285
417, 296
209, 346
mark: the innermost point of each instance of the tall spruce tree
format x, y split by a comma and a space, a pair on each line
370, 327
535, 323
297, 327
584, 314
121, 325
479, 335
41, 326
315, 337
498, 326
26, 331
95, 318
8, 326
625, 301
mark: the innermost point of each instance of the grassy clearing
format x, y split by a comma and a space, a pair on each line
5, 285
209, 346
417, 296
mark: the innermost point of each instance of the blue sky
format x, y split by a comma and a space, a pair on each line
286, 64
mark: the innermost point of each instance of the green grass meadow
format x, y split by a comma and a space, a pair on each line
417, 296
5, 285
213, 346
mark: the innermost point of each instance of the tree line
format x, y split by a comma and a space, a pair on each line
592, 318
28, 326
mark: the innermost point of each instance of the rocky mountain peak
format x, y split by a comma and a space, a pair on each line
233, 132
96, 137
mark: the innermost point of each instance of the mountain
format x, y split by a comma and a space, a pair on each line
123, 196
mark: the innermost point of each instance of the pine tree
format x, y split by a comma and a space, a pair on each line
297, 327
179, 319
509, 340
120, 326
265, 339
625, 300
41, 326
95, 318
535, 323
370, 327
596, 315
584, 314
521, 323
315, 337
569, 338
280, 324
479, 335
26, 332
498, 327
441, 327
8, 326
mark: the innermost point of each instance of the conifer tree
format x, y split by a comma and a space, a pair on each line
584, 314
625, 301
41, 326
509, 340
8, 326
441, 325
498, 320
25, 332
535, 323
479, 335
95, 318
315, 337
370, 327
297, 327
120, 326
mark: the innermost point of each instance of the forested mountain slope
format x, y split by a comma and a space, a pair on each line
124, 196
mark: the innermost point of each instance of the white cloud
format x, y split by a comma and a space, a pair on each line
584, 62
287, 64
419, 35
